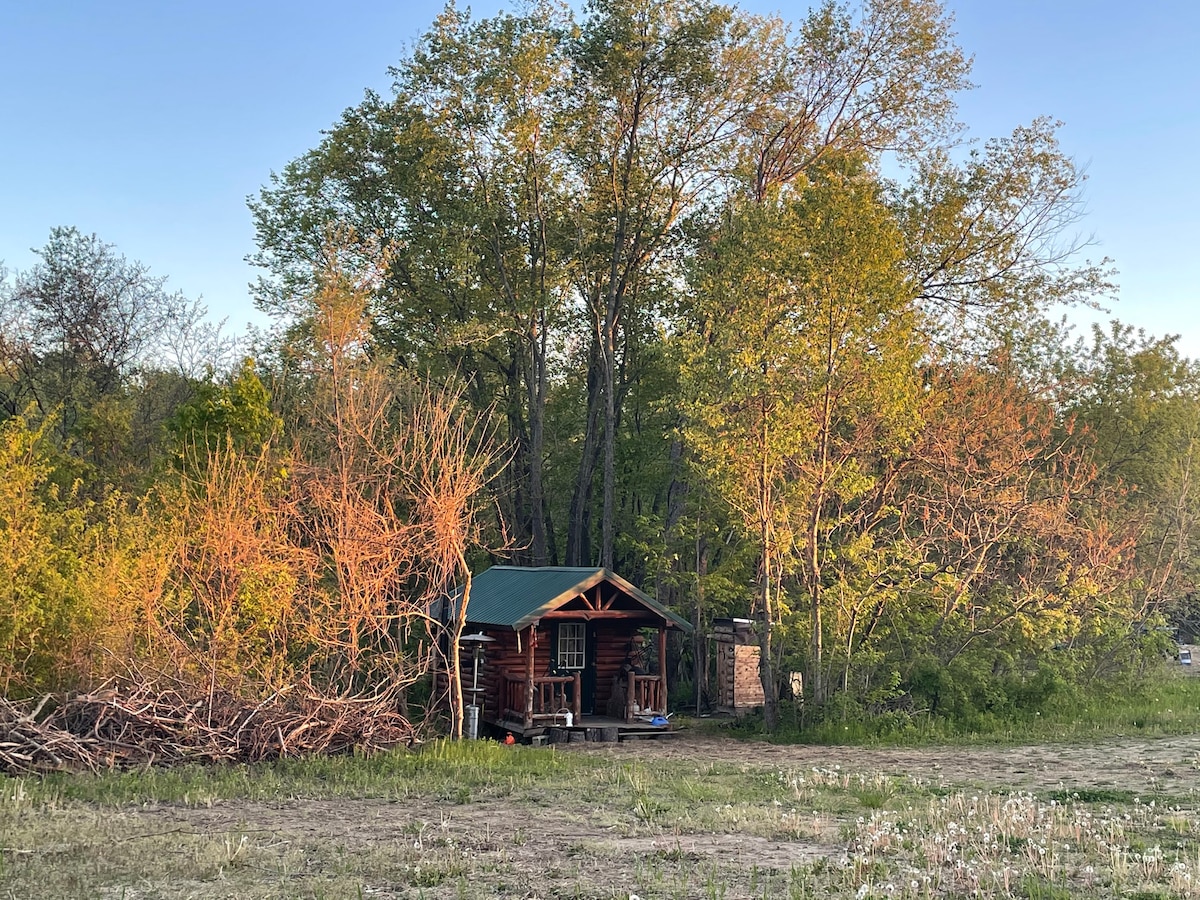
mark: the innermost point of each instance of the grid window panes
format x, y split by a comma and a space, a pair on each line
570, 645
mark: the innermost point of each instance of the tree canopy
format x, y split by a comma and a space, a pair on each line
729, 304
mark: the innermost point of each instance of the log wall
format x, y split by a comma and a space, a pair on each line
739, 686
608, 650
505, 656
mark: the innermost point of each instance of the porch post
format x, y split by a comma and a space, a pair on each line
577, 695
630, 691
529, 676
662, 669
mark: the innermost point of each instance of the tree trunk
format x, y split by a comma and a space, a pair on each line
766, 666
537, 415
813, 561
608, 527
699, 650
455, 673
816, 647
578, 536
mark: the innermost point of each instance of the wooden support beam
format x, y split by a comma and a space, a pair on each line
612, 598
591, 614
662, 668
529, 649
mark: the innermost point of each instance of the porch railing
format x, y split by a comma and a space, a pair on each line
551, 694
645, 695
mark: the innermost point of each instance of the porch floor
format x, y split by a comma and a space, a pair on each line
586, 728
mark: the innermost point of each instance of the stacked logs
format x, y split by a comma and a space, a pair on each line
140, 725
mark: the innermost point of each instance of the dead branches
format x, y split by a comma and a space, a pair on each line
144, 725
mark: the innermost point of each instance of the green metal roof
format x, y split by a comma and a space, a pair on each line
516, 596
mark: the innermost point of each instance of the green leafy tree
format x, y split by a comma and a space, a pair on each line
95, 343
1139, 401
669, 84
804, 374
42, 601
493, 91
880, 79
990, 242
237, 413
456, 189
90, 318
531, 180
537, 195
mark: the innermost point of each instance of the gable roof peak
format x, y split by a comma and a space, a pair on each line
517, 596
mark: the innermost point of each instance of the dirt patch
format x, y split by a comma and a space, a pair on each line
499, 836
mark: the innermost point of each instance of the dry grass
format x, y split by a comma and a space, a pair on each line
698, 819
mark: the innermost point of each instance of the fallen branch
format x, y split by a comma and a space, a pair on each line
138, 725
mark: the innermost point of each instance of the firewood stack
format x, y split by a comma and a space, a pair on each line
140, 725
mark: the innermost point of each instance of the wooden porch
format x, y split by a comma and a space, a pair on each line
598, 729
551, 697
530, 701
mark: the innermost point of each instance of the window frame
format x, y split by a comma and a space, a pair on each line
571, 646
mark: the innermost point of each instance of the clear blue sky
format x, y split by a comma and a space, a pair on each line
149, 122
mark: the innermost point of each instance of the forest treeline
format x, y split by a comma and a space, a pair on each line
728, 304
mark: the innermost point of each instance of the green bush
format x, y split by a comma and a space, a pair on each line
42, 604
978, 691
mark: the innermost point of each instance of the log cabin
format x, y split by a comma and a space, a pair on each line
568, 645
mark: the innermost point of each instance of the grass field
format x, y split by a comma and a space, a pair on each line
702, 815
1167, 704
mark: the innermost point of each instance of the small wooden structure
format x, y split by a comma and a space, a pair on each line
739, 687
574, 648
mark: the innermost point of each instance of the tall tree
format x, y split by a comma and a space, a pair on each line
805, 373
669, 85
1139, 400
93, 316
539, 187
879, 81
457, 184
989, 240
96, 343
491, 91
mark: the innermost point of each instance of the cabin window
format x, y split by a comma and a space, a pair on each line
570, 645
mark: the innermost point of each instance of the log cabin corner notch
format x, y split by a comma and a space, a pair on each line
568, 639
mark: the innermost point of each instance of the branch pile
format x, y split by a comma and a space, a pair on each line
141, 725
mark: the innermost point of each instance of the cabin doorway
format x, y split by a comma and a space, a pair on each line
575, 651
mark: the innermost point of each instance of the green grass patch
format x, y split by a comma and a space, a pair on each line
1167, 705
1092, 795
1035, 887
457, 772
